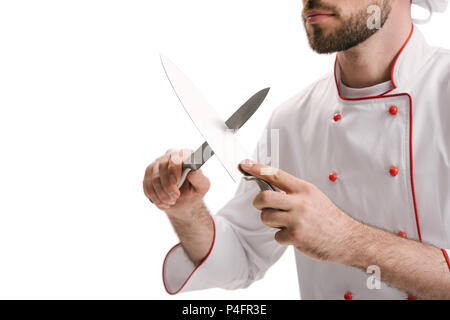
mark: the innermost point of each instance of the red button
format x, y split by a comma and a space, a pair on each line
411, 297
348, 296
333, 176
393, 110
393, 171
402, 234
337, 117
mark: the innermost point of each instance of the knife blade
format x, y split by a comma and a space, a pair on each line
235, 122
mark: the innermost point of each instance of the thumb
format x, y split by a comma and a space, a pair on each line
276, 177
199, 181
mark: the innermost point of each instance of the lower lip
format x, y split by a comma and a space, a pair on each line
318, 18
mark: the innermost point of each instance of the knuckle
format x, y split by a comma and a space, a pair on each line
167, 188
172, 167
276, 176
161, 206
155, 200
164, 197
163, 163
175, 161
308, 187
152, 196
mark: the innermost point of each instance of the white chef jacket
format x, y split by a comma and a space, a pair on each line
390, 154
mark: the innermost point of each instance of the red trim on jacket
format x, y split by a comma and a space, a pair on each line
198, 266
398, 56
385, 95
412, 165
446, 257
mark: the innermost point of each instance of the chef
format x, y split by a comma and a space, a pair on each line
364, 172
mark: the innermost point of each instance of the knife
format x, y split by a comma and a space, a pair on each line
235, 122
219, 136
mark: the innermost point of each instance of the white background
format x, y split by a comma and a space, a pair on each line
85, 106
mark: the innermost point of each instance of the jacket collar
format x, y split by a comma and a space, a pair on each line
412, 56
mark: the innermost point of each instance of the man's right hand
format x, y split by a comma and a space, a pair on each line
161, 180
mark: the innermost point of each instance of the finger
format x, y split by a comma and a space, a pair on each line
156, 183
151, 194
148, 187
184, 155
275, 218
283, 237
175, 167
272, 200
276, 177
170, 188
169, 151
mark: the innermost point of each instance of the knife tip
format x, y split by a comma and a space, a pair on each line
164, 59
265, 91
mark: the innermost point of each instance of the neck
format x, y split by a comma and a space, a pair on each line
370, 62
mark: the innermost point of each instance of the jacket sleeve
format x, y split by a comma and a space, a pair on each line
242, 250
446, 253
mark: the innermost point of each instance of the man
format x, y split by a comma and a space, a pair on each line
364, 173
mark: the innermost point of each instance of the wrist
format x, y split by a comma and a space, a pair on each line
358, 245
369, 242
188, 215
196, 231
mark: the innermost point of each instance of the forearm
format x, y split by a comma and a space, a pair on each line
416, 268
195, 229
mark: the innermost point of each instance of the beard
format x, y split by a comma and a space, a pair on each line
353, 30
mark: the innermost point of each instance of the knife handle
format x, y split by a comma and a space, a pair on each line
262, 184
194, 161
186, 168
